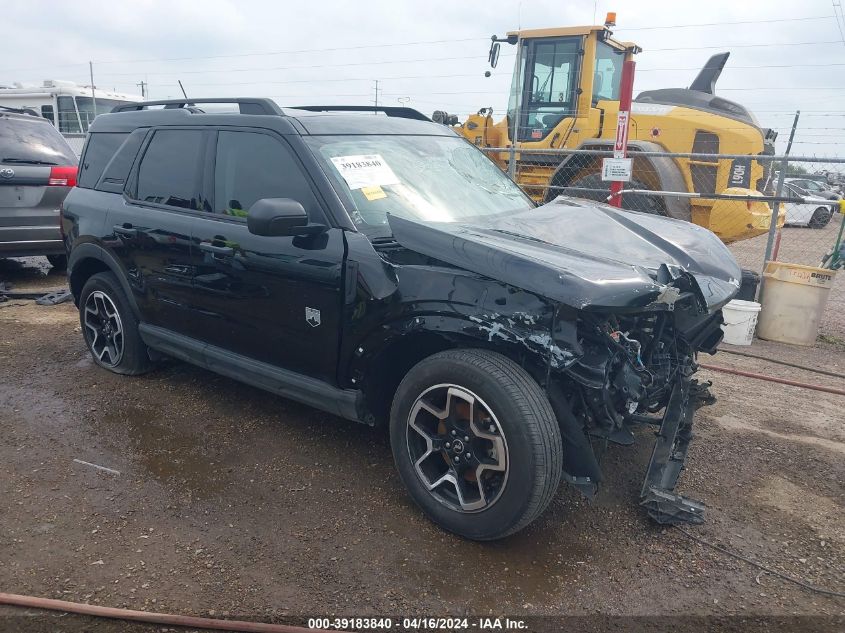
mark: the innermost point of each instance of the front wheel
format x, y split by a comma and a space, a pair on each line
476, 443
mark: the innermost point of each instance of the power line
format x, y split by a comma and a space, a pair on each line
241, 70
695, 48
681, 26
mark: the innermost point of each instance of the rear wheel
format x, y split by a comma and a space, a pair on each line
110, 327
476, 443
59, 262
643, 203
821, 218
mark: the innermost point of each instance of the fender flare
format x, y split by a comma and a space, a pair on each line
88, 250
668, 173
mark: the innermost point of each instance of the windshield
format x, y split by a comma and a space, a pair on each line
427, 178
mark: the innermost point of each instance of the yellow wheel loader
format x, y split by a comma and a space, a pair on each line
565, 95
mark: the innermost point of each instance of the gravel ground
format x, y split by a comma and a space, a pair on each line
231, 502
804, 246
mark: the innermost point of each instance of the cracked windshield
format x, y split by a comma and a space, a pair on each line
429, 178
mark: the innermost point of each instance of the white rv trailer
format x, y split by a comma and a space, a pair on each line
69, 106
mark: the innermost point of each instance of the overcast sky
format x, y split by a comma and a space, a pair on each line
433, 54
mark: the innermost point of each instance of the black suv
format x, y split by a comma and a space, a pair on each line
379, 267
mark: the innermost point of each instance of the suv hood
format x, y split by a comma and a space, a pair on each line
583, 254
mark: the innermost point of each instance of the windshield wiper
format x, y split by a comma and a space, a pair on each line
27, 161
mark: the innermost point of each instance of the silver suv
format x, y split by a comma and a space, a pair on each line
37, 170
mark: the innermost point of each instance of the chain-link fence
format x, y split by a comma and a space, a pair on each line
732, 195
76, 141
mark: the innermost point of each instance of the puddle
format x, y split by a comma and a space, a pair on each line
528, 567
171, 456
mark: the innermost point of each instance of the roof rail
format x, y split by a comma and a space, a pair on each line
258, 105
396, 111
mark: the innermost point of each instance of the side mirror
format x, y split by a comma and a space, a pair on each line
493, 55
276, 216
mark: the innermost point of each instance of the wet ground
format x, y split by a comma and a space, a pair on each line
235, 503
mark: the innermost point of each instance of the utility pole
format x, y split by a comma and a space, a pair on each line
93, 96
143, 85
376, 102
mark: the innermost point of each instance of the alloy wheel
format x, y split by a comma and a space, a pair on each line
458, 448
103, 328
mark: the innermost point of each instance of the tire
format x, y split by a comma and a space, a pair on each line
644, 204
110, 327
821, 218
59, 262
515, 428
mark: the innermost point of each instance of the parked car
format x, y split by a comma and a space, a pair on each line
814, 215
37, 169
814, 188
383, 269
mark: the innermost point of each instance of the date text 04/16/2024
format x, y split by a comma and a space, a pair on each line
417, 624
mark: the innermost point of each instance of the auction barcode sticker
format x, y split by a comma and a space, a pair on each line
365, 170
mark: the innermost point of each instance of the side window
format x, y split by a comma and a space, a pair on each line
117, 170
47, 113
169, 169
98, 152
68, 121
250, 166
607, 76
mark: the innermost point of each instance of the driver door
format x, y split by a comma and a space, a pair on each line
272, 299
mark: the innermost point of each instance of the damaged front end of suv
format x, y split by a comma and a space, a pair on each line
629, 300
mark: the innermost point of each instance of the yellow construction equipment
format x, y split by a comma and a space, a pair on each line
565, 95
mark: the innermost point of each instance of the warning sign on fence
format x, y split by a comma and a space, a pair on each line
616, 169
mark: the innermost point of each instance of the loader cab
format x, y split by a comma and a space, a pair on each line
560, 74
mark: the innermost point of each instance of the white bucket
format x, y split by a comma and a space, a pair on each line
740, 320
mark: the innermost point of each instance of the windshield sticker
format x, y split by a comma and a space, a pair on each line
365, 170
373, 193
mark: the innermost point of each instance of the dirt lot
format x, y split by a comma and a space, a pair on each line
234, 503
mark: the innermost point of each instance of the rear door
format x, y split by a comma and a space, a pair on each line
151, 224
37, 169
273, 299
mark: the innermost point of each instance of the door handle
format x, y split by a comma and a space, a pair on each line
128, 231
217, 250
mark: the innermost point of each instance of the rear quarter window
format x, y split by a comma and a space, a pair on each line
25, 138
98, 152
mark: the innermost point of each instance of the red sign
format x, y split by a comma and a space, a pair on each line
621, 144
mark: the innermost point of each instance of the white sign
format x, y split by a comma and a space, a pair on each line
365, 170
616, 169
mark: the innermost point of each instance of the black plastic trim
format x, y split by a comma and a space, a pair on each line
346, 403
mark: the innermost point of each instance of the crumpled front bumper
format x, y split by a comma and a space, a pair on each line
667, 459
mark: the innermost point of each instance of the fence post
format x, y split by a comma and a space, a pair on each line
516, 114
784, 165
623, 122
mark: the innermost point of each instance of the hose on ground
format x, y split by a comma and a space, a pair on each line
149, 616
823, 372
753, 563
782, 381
